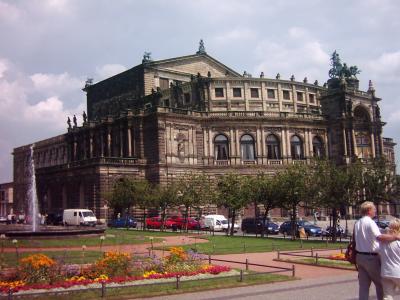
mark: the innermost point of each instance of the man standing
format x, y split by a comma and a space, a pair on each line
367, 237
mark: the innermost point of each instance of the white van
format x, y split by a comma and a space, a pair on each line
218, 223
79, 217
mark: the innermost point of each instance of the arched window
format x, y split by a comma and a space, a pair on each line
363, 145
318, 147
221, 147
296, 147
247, 147
273, 147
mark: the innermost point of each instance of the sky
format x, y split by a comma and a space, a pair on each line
48, 48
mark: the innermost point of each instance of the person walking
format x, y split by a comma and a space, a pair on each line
390, 262
367, 237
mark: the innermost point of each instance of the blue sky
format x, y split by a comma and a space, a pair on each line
49, 47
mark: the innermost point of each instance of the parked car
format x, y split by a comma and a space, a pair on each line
309, 228
79, 216
55, 218
218, 223
123, 222
155, 222
252, 225
382, 224
329, 231
192, 224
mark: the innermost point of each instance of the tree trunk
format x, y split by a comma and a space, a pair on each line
144, 219
186, 218
334, 225
264, 221
294, 223
233, 222
163, 218
255, 217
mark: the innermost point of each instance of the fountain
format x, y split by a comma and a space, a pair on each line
32, 195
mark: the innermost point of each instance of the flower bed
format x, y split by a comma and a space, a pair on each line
113, 268
338, 256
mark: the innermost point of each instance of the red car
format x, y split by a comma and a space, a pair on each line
155, 222
180, 221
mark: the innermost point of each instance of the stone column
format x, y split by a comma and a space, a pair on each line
129, 140
283, 142
101, 143
344, 142
246, 89
238, 154
354, 142
263, 147
85, 156
263, 96
306, 144
109, 152
91, 144
121, 141
372, 137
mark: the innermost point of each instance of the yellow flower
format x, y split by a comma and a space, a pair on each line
37, 261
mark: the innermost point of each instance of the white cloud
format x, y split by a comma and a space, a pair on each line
297, 53
109, 70
8, 12
56, 83
386, 67
3, 67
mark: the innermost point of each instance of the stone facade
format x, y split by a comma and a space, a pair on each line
6, 199
192, 113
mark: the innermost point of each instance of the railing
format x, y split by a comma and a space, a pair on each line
222, 162
299, 161
249, 162
274, 161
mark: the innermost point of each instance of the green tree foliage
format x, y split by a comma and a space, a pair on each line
165, 196
122, 195
294, 186
264, 189
335, 187
379, 182
233, 194
194, 190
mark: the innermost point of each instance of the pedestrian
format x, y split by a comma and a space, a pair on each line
390, 262
367, 237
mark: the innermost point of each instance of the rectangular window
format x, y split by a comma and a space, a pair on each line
254, 93
300, 96
286, 95
187, 98
311, 97
271, 94
166, 102
237, 92
219, 92
164, 83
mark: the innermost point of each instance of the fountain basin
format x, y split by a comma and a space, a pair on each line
25, 231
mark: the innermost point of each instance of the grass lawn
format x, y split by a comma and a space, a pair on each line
71, 257
238, 244
113, 237
327, 262
170, 288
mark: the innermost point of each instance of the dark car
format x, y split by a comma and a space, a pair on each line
382, 224
309, 228
55, 219
330, 230
252, 225
123, 222
192, 224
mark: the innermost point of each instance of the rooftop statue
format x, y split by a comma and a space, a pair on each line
202, 49
69, 123
84, 116
340, 70
146, 57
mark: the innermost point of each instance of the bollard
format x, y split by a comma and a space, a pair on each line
273, 246
247, 264
316, 258
209, 259
301, 243
312, 252
177, 282
241, 276
213, 248
293, 270
278, 254
103, 289
244, 247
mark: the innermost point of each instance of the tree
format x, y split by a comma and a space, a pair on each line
335, 187
378, 182
122, 196
144, 193
165, 196
194, 190
263, 190
294, 186
233, 194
